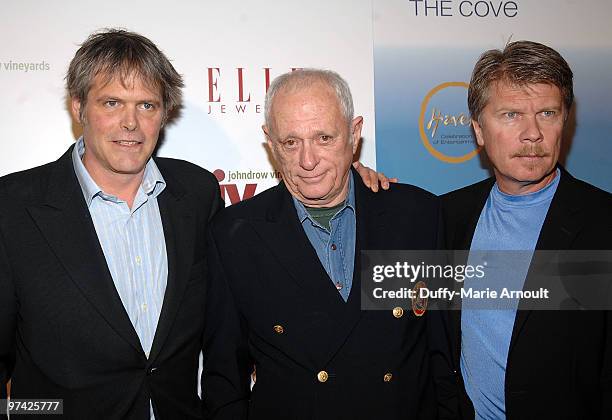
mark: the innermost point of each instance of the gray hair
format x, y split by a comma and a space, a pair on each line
302, 78
119, 53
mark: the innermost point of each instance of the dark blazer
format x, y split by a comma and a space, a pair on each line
560, 362
64, 332
272, 305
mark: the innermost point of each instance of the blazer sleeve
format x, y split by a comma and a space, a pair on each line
8, 320
445, 378
606, 375
226, 363
217, 203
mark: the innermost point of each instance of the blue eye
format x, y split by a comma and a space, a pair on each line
511, 115
548, 113
147, 105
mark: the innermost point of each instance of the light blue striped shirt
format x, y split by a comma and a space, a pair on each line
133, 243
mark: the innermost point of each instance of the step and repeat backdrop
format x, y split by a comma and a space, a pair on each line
228, 52
408, 63
424, 53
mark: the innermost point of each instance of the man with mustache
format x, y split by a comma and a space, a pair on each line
515, 363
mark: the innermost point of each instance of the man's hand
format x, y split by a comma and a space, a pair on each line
371, 178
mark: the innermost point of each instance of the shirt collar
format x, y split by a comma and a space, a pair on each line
349, 202
153, 182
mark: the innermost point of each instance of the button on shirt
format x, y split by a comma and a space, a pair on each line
335, 245
133, 244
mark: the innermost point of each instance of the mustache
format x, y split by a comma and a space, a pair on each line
531, 151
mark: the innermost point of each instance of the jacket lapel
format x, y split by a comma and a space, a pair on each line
284, 236
179, 234
369, 224
66, 224
559, 229
464, 233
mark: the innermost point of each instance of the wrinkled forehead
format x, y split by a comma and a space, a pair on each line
295, 98
316, 89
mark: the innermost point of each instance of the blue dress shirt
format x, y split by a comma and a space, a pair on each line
133, 244
336, 247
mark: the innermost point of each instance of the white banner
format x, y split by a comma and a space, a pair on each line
227, 52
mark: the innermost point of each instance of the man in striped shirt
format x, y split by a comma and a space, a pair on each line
102, 252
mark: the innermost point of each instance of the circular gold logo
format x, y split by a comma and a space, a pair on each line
445, 120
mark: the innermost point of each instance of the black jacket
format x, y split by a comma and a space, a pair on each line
64, 332
560, 362
265, 274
